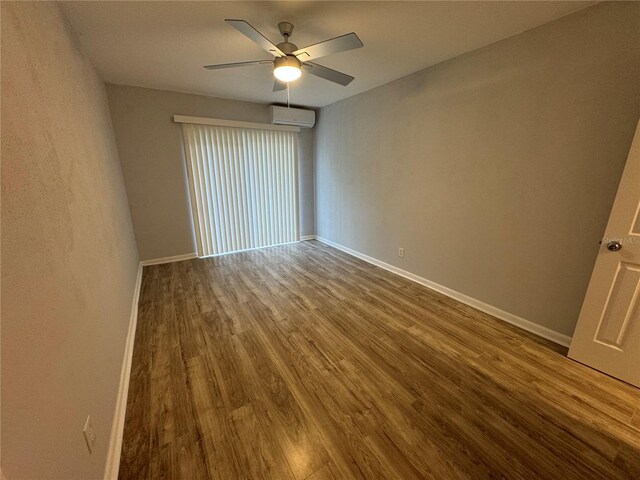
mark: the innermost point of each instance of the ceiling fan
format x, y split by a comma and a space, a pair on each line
290, 61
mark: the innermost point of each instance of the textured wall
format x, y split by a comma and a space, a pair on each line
69, 258
496, 170
151, 151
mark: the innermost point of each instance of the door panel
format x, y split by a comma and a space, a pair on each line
620, 307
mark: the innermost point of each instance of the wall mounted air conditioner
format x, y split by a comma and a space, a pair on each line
292, 116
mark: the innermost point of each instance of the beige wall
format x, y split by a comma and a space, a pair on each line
496, 170
151, 151
69, 259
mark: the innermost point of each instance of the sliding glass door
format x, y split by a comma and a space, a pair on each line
243, 185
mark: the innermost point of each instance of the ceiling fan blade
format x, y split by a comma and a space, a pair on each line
327, 73
246, 29
278, 86
237, 64
334, 45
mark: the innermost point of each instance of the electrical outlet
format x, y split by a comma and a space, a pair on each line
401, 252
89, 434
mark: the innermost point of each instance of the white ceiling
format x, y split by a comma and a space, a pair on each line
165, 44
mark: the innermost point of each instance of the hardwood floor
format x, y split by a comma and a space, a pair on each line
302, 362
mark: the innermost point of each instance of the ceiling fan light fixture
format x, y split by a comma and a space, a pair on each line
287, 74
287, 69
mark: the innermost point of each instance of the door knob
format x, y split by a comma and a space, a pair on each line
614, 246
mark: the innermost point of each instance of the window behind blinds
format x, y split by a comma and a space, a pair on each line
243, 185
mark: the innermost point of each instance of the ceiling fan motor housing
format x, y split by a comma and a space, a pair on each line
287, 47
288, 61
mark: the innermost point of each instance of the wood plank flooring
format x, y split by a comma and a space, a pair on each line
302, 362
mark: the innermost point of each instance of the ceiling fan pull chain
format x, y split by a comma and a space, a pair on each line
288, 104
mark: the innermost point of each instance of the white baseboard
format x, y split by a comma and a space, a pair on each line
117, 428
520, 322
304, 238
175, 258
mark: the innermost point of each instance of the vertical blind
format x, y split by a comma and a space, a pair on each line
243, 186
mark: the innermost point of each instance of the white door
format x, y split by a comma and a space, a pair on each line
607, 335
